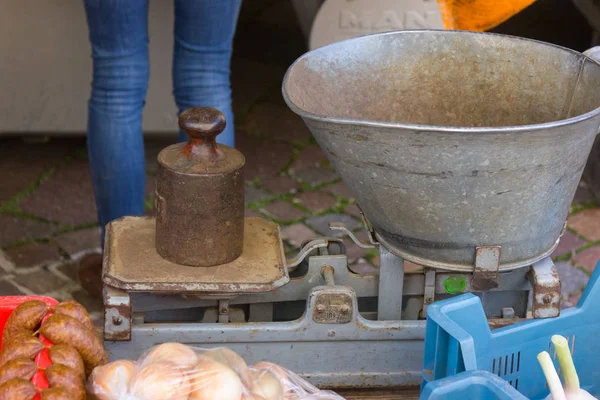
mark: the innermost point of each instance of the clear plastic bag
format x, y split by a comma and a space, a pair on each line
178, 372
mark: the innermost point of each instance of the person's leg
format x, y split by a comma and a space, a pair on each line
119, 37
204, 31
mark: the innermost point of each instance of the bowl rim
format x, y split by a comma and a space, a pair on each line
438, 128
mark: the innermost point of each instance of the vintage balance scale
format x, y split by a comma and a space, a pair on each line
463, 150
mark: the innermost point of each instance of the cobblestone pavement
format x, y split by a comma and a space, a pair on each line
48, 216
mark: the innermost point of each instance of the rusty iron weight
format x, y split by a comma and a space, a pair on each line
200, 195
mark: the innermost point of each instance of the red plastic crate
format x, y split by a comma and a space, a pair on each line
7, 306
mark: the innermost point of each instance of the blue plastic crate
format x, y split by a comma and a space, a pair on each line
480, 385
458, 339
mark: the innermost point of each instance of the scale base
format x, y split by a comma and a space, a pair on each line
131, 262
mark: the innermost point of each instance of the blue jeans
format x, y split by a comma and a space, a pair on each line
204, 31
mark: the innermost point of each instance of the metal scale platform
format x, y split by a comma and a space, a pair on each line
480, 208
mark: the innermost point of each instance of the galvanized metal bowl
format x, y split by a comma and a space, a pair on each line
452, 140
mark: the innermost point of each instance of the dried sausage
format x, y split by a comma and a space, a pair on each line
22, 368
73, 309
62, 329
66, 355
22, 346
63, 377
24, 319
57, 394
17, 389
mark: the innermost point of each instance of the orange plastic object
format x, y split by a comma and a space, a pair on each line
479, 15
7, 306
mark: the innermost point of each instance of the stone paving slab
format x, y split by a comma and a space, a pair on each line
254, 194
284, 211
297, 234
66, 197
280, 185
33, 254
77, 242
587, 223
19, 229
40, 281
587, 258
311, 156
68, 269
340, 189
264, 159
7, 288
316, 202
316, 176
23, 163
568, 244
353, 210
573, 280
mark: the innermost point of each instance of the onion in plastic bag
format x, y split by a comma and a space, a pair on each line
179, 372
214, 380
159, 381
111, 380
176, 353
266, 385
233, 360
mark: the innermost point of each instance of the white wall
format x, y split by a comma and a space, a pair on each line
45, 67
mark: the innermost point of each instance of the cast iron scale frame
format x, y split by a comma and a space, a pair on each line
334, 343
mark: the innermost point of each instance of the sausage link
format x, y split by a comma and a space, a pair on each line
22, 368
23, 346
63, 377
57, 394
67, 355
62, 329
24, 319
75, 310
17, 389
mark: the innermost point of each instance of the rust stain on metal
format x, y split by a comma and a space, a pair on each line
200, 187
481, 283
487, 263
546, 290
496, 323
117, 314
133, 264
202, 124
